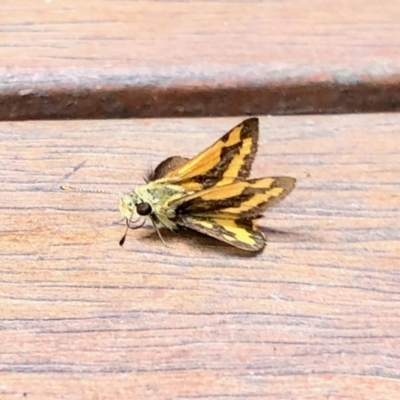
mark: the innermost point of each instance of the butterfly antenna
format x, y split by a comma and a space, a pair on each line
129, 226
159, 233
72, 188
122, 240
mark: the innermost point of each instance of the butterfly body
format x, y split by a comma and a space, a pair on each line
157, 195
211, 193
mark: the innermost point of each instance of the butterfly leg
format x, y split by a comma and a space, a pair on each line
158, 231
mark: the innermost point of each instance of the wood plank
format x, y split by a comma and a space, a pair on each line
107, 59
315, 316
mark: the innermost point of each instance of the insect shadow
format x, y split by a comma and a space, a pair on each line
208, 244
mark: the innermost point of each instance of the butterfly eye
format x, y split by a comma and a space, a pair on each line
143, 209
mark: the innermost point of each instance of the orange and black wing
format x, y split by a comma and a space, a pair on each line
226, 161
226, 212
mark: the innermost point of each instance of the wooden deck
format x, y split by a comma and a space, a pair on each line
315, 316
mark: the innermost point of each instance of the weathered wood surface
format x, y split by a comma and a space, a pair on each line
107, 59
315, 316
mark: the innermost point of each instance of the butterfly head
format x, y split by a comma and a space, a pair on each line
133, 207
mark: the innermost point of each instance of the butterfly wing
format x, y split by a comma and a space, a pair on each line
226, 212
238, 233
164, 167
247, 199
226, 161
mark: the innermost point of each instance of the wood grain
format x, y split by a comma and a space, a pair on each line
107, 59
315, 316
